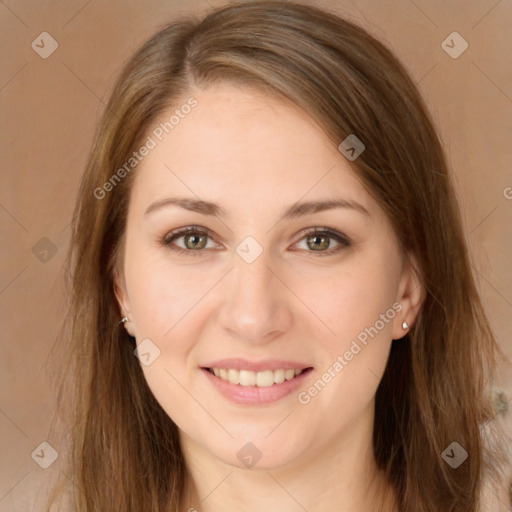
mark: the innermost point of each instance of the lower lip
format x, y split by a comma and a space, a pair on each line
253, 395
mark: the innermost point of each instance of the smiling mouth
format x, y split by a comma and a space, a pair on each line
261, 379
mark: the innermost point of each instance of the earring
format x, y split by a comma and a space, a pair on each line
125, 319
405, 325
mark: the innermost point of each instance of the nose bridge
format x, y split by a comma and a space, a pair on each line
255, 305
253, 281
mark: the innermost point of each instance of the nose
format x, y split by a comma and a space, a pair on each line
256, 308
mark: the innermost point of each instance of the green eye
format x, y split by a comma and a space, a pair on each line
319, 241
195, 239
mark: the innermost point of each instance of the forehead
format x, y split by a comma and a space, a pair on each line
240, 145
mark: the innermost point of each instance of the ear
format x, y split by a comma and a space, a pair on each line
123, 301
410, 296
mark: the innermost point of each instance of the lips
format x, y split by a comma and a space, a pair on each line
255, 395
255, 382
256, 366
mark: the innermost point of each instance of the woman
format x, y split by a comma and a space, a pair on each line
272, 302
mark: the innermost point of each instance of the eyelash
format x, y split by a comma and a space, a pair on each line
178, 233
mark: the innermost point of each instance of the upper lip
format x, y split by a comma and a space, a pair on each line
256, 366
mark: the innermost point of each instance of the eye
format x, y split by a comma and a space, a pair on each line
195, 239
319, 240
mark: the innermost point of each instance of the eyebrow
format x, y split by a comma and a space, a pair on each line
298, 209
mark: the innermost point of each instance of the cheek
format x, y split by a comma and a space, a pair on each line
358, 304
166, 384
343, 395
165, 305
347, 299
163, 294
360, 312
168, 309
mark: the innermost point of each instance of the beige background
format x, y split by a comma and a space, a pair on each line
50, 108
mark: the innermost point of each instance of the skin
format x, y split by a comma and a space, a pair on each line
255, 155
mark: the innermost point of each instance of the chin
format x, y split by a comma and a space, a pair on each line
259, 453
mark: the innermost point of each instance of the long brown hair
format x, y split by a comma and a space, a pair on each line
124, 451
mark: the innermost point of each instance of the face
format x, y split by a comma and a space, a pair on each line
260, 288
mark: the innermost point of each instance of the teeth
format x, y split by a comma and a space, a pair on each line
234, 376
247, 378
264, 379
279, 376
260, 379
